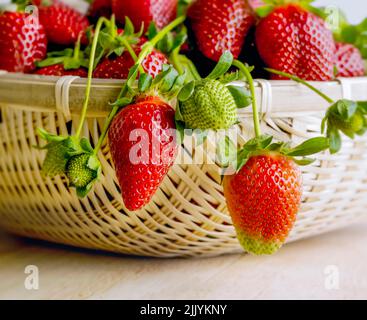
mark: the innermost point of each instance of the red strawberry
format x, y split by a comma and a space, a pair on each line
100, 8
349, 61
62, 23
140, 175
58, 70
293, 40
263, 199
161, 12
117, 67
220, 25
22, 42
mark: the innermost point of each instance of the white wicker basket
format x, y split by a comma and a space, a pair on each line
188, 215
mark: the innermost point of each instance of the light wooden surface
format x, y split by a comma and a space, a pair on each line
296, 272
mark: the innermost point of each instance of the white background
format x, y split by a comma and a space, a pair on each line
356, 10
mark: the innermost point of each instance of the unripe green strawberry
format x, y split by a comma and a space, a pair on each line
82, 170
211, 106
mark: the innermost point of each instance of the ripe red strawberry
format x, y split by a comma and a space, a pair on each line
22, 42
161, 12
62, 23
349, 61
58, 70
143, 148
220, 25
293, 40
263, 199
100, 8
117, 67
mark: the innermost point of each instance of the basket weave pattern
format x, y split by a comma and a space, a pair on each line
188, 215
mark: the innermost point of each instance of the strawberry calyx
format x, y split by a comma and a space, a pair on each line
69, 58
261, 144
343, 116
72, 157
354, 34
171, 45
82, 171
166, 84
61, 150
116, 41
202, 99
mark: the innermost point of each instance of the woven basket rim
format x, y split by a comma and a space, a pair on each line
37, 93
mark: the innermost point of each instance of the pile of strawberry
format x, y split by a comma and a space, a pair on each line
292, 37
164, 93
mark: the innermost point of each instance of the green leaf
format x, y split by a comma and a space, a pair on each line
334, 139
310, 147
145, 82
180, 127
346, 108
57, 156
122, 102
178, 114
362, 106
43, 134
152, 30
168, 80
304, 161
49, 62
85, 145
241, 95
133, 73
166, 44
119, 51
224, 63
230, 77
264, 11
129, 27
186, 92
94, 163
323, 124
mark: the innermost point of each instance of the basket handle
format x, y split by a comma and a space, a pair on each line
346, 87
266, 98
62, 89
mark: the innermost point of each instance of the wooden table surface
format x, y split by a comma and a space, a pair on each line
328, 266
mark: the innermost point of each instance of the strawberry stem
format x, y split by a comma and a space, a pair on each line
146, 50
299, 80
77, 48
149, 46
132, 53
250, 80
100, 22
112, 114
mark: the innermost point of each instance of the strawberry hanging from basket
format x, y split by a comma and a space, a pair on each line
264, 195
343, 116
74, 156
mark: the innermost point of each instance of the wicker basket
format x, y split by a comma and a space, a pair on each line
188, 215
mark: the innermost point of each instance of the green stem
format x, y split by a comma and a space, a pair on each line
250, 80
158, 37
299, 80
132, 53
175, 60
90, 75
77, 48
111, 116
146, 50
